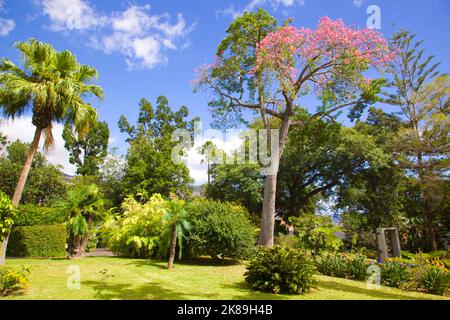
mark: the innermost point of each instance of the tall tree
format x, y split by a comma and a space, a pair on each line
423, 141
88, 152
268, 72
52, 86
150, 168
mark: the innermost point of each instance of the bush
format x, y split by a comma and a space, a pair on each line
348, 266
317, 233
12, 280
434, 280
38, 241
32, 215
220, 230
280, 270
137, 232
8, 214
394, 274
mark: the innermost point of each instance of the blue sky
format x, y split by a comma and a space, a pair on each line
150, 48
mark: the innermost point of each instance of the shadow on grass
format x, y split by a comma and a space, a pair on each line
245, 293
146, 291
202, 261
371, 293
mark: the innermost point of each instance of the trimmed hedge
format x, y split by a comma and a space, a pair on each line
45, 241
32, 215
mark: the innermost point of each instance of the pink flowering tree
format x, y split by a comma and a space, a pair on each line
271, 77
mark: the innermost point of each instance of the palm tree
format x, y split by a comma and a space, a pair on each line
177, 226
82, 205
51, 86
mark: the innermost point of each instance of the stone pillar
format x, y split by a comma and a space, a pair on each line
382, 246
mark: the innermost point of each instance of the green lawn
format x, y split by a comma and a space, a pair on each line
143, 279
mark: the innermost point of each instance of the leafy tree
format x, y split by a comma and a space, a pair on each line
150, 168
52, 86
110, 179
210, 154
238, 183
269, 71
423, 140
88, 152
45, 181
177, 221
83, 204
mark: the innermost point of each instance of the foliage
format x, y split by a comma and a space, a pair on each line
88, 152
83, 204
316, 233
150, 168
350, 266
281, 270
110, 179
12, 280
434, 280
32, 215
394, 273
43, 241
241, 183
220, 230
177, 224
45, 181
137, 231
7, 215
51, 85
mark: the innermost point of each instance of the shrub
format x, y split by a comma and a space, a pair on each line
317, 233
281, 270
350, 266
137, 232
32, 215
434, 280
394, 274
220, 230
38, 241
332, 265
12, 280
7, 215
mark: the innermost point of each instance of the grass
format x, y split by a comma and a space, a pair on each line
143, 279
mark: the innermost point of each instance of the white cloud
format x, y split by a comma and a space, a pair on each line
140, 36
22, 129
254, 4
357, 3
6, 26
71, 14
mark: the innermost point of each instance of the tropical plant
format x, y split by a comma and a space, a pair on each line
343, 265
138, 230
52, 86
281, 270
12, 280
435, 280
394, 274
83, 204
176, 220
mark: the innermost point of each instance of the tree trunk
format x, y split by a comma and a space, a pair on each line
26, 167
173, 245
20, 186
270, 188
82, 242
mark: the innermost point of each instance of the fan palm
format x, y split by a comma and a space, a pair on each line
82, 205
52, 86
176, 218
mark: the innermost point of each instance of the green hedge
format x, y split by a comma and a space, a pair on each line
46, 241
32, 215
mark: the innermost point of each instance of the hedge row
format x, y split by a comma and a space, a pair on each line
44, 241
